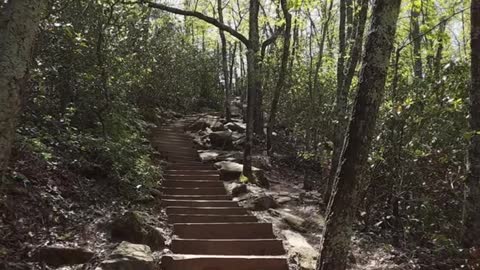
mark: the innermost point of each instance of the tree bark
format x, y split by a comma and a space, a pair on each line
340, 211
439, 53
319, 63
341, 108
417, 53
19, 21
226, 83
282, 74
254, 83
471, 236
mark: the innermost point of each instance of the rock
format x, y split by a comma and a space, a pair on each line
207, 121
262, 161
156, 193
221, 139
218, 155
197, 126
240, 143
217, 126
236, 126
201, 143
128, 256
231, 170
294, 221
145, 199
283, 199
260, 178
236, 189
58, 256
300, 250
133, 227
262, 203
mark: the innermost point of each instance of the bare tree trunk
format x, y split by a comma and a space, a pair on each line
281, 76
439, 53
340, 211
322, 45
226, 84
341, 99
19, 20
254, 83
342, 94
414, 33
232, 67
471, 236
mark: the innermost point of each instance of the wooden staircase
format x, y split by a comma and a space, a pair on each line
211, 232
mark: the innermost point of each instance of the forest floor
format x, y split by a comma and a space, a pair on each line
44, 206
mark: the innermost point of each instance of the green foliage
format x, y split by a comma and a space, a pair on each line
103, 69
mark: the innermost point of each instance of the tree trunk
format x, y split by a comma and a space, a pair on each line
19, 20
254, 83
439, 53
281, 76
226, 84
340, 211
414, 34
342, 94
340, 100
471, 237
322, 46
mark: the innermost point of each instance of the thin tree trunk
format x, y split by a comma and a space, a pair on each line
232, 66
254, 83
281, 76
349, 72
439, 53
340, 211
414, 33
471, 236
340, 110
319, 63
19, 20
226, 84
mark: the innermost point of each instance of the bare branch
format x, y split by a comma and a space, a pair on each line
204, 18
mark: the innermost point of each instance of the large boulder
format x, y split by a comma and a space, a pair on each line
128, 256
230, 170
236, 189
236, 126
134, 227
57, 256
300, 251
206, 121
221, 139
219, 155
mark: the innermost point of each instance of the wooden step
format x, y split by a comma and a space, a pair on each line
197, 197
192, 177
192, 183
199, 203
194, 191
224, 230
191, 172
219, 262
202, 167
190, 218
226, 211
228, 246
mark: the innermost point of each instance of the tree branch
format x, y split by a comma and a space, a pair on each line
271, 40
444, 20
204, 18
